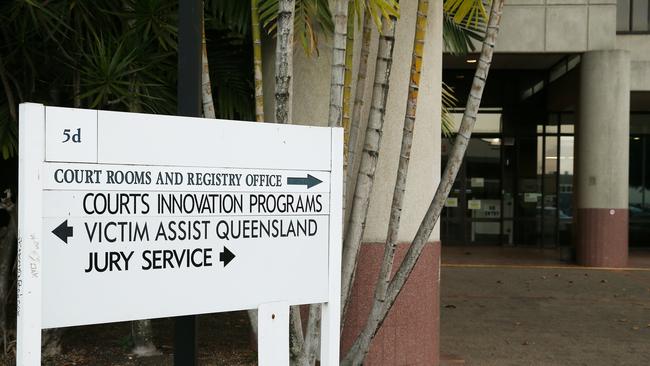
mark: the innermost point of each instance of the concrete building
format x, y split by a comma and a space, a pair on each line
562, 148
560, 157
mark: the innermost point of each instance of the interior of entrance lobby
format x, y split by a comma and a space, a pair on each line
516, 185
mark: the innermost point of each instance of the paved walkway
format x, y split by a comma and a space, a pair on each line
508, 315
465, 254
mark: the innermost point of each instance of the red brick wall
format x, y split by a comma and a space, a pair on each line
410, 334
602, 237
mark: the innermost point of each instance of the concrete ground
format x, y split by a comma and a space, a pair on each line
496, 314
464, 254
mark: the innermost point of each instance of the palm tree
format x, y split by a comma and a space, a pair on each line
109, 55
347, 80
355, 123
400, 183
206, 86
389, 290
284, 61
359, 210
257, 61
338, 62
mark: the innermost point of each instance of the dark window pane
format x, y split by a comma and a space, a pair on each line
623, 15
640, 123
646, 181
566, 177
639, 191
636, 170
640, 15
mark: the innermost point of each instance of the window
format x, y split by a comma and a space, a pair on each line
633, 16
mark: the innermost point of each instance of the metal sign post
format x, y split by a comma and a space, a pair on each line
190, 14
127, 216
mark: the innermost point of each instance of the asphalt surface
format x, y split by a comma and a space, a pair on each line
500, 315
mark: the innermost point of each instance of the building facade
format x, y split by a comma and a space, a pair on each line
561, 153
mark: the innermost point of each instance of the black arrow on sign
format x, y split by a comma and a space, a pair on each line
63, 231
226, 256
310, 181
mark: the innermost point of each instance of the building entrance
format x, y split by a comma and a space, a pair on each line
473, 212
514, 188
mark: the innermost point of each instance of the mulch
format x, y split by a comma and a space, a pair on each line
223, 339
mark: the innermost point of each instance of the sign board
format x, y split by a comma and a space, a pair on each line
474, 204
477, 182
489, 209
128, 216
531, 197
451, 202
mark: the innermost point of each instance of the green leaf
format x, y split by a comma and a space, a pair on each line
8, 133
457, 37
231, 74
448, 102
471, 13
234, 15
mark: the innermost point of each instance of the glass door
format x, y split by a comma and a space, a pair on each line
472, 213
484, 200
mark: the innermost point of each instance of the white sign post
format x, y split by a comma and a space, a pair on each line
128, 216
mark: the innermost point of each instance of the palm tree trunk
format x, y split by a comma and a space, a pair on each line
259, 98
368, 165
257, 62
283, 111
357, 354
447, 180
347, 80
312, 335
341, 78
206, 85
8, 236
338, 62
284, 62
142, 333
297, 351
358, 101
141, 330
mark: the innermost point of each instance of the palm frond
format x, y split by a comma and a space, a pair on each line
8, 134
448, 102
380, 11
231, 74
115, 73
310, 18
153, 19
457, 37
470, 12
232, 14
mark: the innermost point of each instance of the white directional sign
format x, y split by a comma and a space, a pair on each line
131, 216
